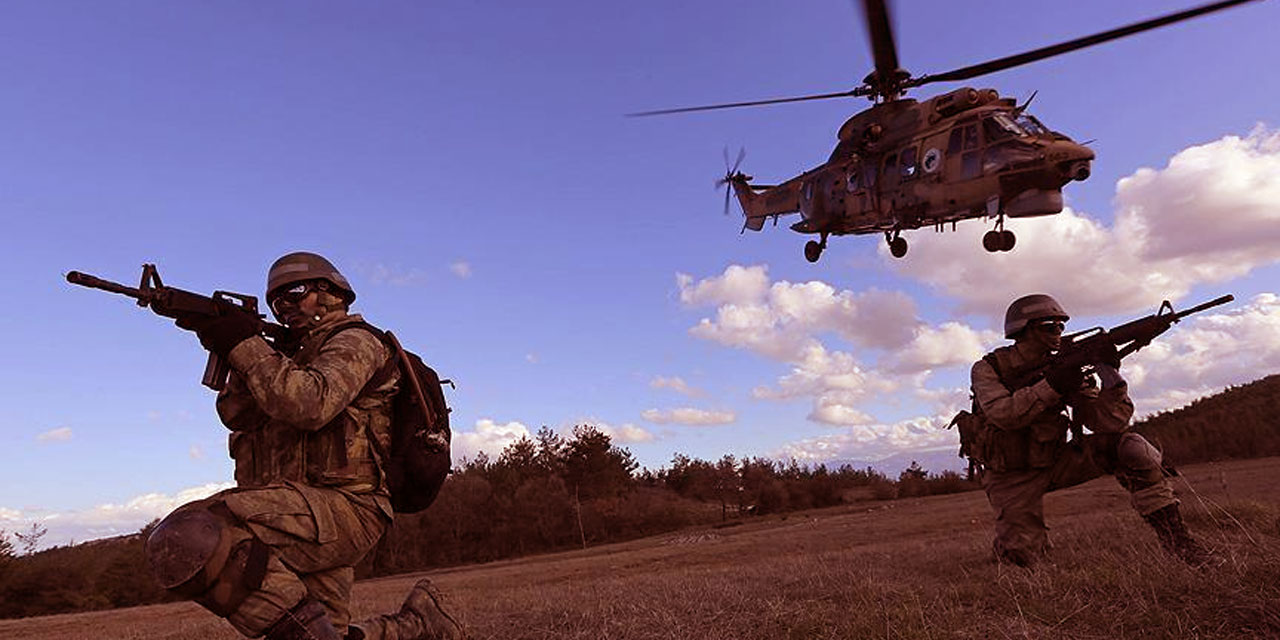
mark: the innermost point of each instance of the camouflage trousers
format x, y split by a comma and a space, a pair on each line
1017, 497
313, 537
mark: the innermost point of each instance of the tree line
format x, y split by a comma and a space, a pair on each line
553, 492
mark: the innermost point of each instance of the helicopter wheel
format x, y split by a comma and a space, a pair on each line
992, 241
1007, 240
812, 250
898, 247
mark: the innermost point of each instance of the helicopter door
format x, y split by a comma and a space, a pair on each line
964, 157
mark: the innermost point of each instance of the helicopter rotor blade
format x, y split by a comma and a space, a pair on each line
1000, 64
880, 28
753, 103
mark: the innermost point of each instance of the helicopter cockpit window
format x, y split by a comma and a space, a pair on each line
908, 163
1000, 127
1032, 126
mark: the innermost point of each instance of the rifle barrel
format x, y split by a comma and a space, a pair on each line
1206, 305
94, 282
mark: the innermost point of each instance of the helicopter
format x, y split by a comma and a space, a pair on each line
905, 164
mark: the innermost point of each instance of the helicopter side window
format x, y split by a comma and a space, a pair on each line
908, 166
890, 167
953, 145
971, 137
869, 175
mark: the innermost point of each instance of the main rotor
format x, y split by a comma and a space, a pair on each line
888, 81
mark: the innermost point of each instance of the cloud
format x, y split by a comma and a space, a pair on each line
196, 452
461, 268
488, 437
531, 358
381, 274
688, 416
623, 434
1206, 353
61, 434
108, 519
1211, 215
873, 441
676, 384
891, 350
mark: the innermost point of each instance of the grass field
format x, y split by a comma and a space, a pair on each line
916, 568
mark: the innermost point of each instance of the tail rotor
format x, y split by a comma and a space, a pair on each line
731, 175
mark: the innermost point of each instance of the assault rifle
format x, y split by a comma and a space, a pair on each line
171, 302
1086, 349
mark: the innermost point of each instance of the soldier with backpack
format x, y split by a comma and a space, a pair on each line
1018, 432
333, 429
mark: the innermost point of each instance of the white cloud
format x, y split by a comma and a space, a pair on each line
488, 437
461, 268
105, 520
786, 322
1206, 353
623, 434
61, 434
196, 452
677, 384
873, 441
1212, 214
688, 416
395, 276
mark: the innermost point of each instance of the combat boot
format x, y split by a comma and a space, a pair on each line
306, 621
422, 617
1175, 538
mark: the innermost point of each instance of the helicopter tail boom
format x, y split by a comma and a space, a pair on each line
760, 203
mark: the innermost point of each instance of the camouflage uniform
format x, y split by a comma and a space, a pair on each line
308, 485
1027, 454
275, 555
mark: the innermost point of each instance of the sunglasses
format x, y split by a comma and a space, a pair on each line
293, 295
1050, 325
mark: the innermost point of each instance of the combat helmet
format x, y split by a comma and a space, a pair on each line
1027, 309
301, 266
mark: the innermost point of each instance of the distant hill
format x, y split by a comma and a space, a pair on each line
934, 461
1239, 422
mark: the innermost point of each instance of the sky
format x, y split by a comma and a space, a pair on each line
469, 168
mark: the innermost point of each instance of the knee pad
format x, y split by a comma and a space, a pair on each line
188, 544
1135, 453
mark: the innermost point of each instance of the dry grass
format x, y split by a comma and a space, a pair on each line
908, 569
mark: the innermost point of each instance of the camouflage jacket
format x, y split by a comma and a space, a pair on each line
306, 417
1030, 423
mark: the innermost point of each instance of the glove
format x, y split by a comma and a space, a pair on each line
220, 334
1109, 356
1065, 380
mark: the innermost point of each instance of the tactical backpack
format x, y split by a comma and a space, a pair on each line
418, 460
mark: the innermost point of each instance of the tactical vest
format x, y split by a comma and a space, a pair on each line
1035, 446
338, 454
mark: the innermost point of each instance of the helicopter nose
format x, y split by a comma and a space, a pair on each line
1074, 160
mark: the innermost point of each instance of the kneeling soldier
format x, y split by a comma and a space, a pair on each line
1024, 445
275, 555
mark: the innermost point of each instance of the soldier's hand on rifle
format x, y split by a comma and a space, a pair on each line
1065, 379
1108, 355
220, 334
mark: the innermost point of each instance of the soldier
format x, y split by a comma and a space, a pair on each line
275, 555
1025, 448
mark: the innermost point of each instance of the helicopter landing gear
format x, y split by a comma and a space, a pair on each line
813, 249
999, 239
897, 243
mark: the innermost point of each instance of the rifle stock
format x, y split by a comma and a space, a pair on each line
171, 302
